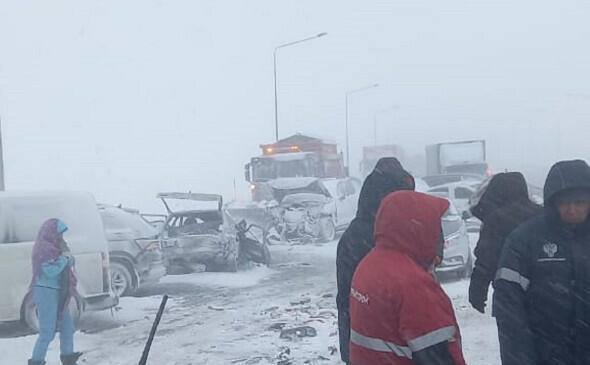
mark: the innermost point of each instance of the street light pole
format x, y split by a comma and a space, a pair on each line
348, 93
275, 75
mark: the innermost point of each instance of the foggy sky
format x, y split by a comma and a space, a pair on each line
126, 99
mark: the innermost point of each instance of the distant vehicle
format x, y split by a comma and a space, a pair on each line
457, 157
372, 154
435, 180
297, 156
21, 216
134, 247
312, 209
457, 257
198, 232
459, 193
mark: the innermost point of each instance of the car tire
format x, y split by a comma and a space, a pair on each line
121, 279
327, 229
30, 316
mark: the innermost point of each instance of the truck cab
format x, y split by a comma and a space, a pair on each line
297, 156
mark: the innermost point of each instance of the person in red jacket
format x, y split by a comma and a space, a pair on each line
399, 313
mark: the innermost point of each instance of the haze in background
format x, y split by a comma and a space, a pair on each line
125, 99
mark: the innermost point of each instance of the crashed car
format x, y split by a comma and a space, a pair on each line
311, 209
457, 257
198, 232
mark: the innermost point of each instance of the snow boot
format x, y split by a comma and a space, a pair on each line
70, 359
31, 362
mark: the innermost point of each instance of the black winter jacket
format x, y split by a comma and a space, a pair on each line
503, 207
542, 287
357, 240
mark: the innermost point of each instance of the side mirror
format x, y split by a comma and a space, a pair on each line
465, 215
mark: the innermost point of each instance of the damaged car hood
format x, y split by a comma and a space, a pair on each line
304, 199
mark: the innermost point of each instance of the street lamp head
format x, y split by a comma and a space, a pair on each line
321, 34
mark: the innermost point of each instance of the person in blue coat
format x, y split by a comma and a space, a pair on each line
53, 286
542, 286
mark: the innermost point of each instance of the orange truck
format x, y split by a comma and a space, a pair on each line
293, 157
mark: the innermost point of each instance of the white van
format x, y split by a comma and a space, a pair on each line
21, 216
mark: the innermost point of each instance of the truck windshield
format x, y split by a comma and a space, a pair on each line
268, 169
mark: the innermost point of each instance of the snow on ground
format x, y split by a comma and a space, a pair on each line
242, 279
238, 318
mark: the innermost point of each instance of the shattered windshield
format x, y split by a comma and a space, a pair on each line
263, 182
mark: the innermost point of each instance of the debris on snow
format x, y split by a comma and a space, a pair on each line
298, 332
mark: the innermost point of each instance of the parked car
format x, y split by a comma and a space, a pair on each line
457, 256
134, 247
198, 232
312, 209
21, 216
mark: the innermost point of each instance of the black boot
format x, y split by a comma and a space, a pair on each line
31, 362
70, 359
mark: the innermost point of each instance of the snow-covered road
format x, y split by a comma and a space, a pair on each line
223, 318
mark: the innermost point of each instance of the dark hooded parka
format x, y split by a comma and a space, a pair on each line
388, 176
542, 287
399, 313
503, 206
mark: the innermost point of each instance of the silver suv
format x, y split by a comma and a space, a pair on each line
134, 248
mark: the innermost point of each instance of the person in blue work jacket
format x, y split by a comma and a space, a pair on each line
53, 286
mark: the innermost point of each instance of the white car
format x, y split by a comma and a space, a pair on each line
310, 209
457, 255
459, 193
21, 216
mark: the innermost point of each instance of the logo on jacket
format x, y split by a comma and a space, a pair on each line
550, 249
359, 296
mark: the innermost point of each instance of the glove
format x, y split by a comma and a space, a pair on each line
478, 291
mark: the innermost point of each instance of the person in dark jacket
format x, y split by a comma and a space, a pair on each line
388, 176
542, 287
399, 313
503, 206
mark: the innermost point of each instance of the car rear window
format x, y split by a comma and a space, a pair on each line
118, 219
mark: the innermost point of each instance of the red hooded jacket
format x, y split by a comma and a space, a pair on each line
396, 307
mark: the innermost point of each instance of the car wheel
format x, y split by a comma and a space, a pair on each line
30, 316
121, 281
327, 229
